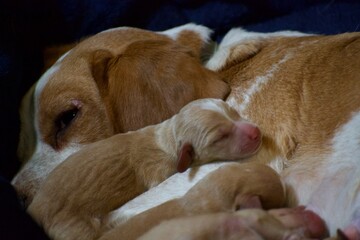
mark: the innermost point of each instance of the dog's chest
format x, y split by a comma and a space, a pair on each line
327, 178
329, 184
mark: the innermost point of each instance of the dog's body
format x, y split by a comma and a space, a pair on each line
303, 93
204, 131
309, 116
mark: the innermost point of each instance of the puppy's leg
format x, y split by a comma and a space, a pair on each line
231, 187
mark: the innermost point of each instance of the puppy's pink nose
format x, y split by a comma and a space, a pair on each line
248, 137
251, 131
254, 133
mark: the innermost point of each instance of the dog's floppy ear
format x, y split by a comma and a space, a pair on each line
185, 158
99, 67
195, 37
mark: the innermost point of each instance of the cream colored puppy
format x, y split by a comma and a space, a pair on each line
250, 224
231, 187
80, 192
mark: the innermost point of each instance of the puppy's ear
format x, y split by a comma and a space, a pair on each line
99, 67
186, 157
195, 37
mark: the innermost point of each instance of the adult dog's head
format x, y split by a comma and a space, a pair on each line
118, 80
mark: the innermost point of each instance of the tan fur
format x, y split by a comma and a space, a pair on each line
116, 81
226, 189
311, 91
114, 73
245, 224
309, 95
287, 110
102, 176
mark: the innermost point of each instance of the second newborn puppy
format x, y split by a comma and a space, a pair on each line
101, 177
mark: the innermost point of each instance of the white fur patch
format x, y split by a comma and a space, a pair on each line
346, 143
38, 90
203, 31
115, 29
238, 36
44, 160
259, 82
174, 187
62, 57
337, 198
212, 104
44, 80
278, 164
246, 95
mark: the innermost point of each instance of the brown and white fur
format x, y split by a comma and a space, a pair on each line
116, 81
303, 92
80, 192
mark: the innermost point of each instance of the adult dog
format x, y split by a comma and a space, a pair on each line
119, 80
301, 90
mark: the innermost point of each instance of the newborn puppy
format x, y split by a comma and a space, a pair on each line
246, 224
232, 187
101, 177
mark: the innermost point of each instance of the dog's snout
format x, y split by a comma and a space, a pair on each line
24, 200
25, 190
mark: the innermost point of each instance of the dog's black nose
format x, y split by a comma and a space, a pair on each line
23, 200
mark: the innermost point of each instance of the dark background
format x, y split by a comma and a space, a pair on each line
26, 27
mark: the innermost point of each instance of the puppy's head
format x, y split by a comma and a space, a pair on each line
209, 129
118, 80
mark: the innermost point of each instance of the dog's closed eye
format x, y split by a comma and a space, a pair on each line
63, 121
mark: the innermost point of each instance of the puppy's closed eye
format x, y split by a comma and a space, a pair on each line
221, 137
222, 134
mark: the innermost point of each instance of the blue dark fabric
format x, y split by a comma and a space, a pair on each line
27, 26
15, 224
